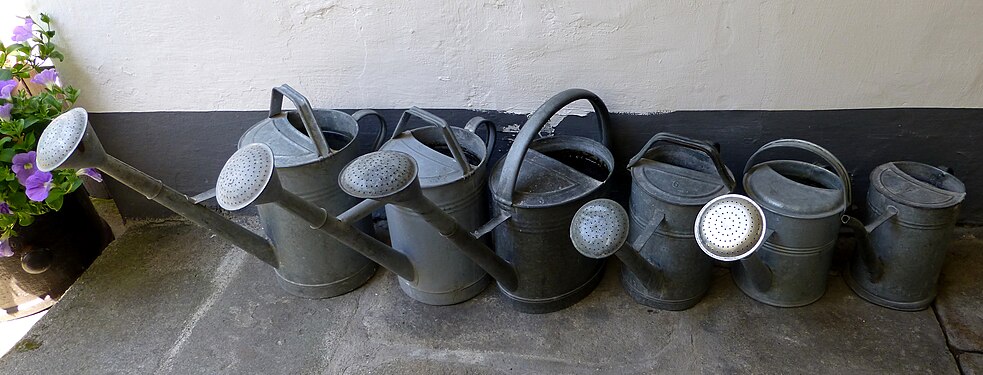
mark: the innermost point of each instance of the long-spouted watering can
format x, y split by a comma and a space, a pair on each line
912, 210
310, 147
672, 178
452, 164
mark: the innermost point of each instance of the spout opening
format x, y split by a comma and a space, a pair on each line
599, 228
245, 177
730, 227
61, 138
378, 175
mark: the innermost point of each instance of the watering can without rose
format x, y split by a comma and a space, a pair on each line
672, 178
311, 146
381, 177
912, 210
70, 143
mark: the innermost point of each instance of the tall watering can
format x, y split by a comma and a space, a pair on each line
672, 178
451, 164
536, 190
802, 206
912, 209
312, 263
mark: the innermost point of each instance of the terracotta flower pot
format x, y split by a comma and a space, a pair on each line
49, 255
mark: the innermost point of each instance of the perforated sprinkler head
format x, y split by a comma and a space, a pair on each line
379, 175
730, 227
248, 177
68, 142
599, 228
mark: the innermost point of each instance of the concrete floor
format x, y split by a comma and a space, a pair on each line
169, 297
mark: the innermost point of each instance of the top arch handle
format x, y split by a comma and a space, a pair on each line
445, 130
536, 122
813, 148
306, 116
692, 144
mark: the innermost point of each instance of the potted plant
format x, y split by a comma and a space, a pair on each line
31, 95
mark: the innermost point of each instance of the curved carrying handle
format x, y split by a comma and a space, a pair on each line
491, 134
358, 116
445, 130
306, 115
536, 122
813, 148
678, 140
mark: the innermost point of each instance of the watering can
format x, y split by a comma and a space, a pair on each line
70, 143
912, 209
536, 189
452, 164
802, 206
310, 147
672, 178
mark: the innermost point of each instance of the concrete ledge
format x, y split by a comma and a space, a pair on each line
168, 297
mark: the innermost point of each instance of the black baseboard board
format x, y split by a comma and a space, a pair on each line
186, 150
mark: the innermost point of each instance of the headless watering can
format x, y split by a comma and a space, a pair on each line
311, 147
672, 178
801, 205
912, 209
536, 189
452, 164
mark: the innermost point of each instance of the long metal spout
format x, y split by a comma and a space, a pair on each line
183, 205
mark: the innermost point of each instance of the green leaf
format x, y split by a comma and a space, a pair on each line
25, 219
55, 199
5, 74
45, 18
7, 155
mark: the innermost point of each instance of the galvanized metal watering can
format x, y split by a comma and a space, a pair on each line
912, 209
311, 147
672, 178
802, 204
452, 167
536, 190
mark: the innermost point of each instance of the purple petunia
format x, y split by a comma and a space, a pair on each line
5, 208
47, 78
23, 166
91, 173
7, 88
5, 250
38, 186
5, 111
24, 32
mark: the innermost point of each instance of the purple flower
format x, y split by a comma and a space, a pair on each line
23, 166
91, 173
5, 250
7, 87
5, 208
38, 186
48, 78
5, 111
25, 31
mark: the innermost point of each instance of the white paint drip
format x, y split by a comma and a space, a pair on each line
220, 281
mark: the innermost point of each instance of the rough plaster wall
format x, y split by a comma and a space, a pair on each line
639, 56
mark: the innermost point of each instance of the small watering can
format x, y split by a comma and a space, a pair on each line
802, 205
452, 164
312, 263
536, 190
912, 209
672, 178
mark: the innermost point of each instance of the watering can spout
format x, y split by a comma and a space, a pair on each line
70, 142
874, 266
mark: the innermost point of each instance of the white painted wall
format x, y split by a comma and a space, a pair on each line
638, 55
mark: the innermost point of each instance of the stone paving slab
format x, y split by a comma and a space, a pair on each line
960, 300
168, 297
971, 363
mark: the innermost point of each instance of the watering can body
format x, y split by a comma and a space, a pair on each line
538, 187
312, 264
803, 204
672, 178
910, 247
445, 275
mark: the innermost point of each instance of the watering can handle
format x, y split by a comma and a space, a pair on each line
473, 125
306, 115
358, 116
693, 144
445, 130
813, 148
536, 122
